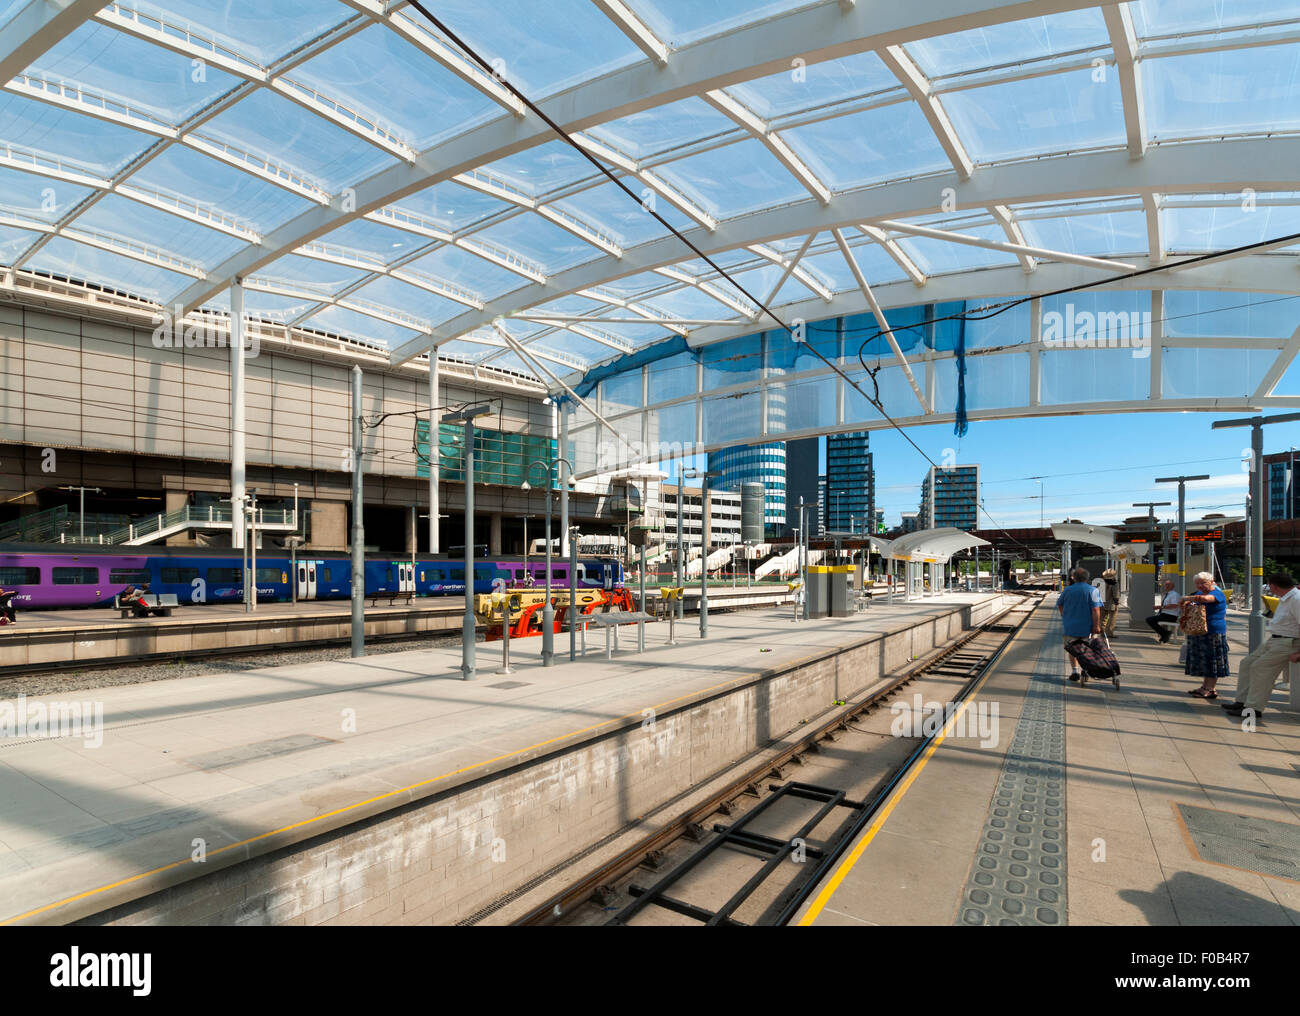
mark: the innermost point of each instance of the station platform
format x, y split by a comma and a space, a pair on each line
1096, 806
324, 771
99, 635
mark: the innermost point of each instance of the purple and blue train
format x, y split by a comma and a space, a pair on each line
91, 577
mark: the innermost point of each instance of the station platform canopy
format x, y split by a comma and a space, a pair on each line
1100, 536
873, 186
932, 546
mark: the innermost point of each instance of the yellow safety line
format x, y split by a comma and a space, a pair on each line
359, 804
847, 865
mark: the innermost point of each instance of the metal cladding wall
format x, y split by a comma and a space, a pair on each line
751, 512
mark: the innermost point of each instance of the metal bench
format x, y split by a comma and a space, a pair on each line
610, 623
159, 604
391, 597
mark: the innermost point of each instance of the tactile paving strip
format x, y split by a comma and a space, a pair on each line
1018, 877
1244, 841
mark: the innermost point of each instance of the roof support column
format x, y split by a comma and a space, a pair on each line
435, 459
237, 464
1035, 351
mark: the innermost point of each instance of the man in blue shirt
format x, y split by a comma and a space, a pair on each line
1080, 607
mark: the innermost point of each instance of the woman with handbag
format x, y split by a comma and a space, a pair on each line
1204, 621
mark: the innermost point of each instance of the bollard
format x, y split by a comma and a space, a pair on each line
505, 643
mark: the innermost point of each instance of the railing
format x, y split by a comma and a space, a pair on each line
197, 517
35, 528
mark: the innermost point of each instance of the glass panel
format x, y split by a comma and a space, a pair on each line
194, 177
992, 382
680, 22
147, 78
1053, 113
1249, 315
37, 197
14, 241
476, 274
320, 276
1215, 373
786, 355
623, 217
382, 243
538, 171
818, 84
867, 147
410, 95
131, 220
539, 55
341, 321
876, 266
100, 268
1246, 219
68, 138
499, 457
802, 405
733, 180
732, 419
662, 128
673, 426
620, 392
673, 378
252, 26
734, 362
862, 330
1011, 327
418, 303
1255, 89
451, 206
693, 304
894, 393
553, 248
1093, 375
1018, 41
1104, 235
280, 131
1099, 321
1161, 17
936, 257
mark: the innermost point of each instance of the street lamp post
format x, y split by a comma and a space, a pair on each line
548, 609
1182, 524
467, 650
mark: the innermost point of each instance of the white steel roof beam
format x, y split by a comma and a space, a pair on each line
1155, 236
900, 256
791, 267
1123, 40
1015, 236
919, 87
635, 29
879, 314
1010, 248
37, 28
645, 313
772, 141
814, 33
717, 292
180, 37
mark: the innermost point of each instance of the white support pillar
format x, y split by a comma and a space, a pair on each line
562, 452
435, 415
237, 404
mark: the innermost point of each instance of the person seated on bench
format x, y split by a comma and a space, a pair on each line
134, 598
1169, 613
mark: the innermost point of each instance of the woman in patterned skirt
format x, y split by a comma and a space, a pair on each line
1207, 655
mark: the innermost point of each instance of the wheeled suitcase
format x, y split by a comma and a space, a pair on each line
1095, 659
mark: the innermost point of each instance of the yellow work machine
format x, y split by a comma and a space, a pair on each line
522, 609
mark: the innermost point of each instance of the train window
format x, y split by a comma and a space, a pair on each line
325, 575
135, 576
484, 572
270, 575
179, 576
76, 576
456, 575
559, 573
19, 577
225, 575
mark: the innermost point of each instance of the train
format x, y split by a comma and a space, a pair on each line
90, 576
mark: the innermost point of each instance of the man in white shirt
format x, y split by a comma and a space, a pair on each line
1169, 612
1281, 646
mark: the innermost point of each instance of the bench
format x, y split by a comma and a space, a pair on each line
610, 623
160, 604
391, 596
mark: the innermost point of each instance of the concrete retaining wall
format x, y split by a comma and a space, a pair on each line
442, 858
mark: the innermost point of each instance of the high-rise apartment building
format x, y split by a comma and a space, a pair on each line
956, 498
850, 483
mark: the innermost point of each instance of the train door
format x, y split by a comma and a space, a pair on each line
309, 580
406, 573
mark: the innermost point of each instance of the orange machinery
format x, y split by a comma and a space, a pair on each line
522, 608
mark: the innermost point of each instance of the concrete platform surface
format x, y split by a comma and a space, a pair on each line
1160, 810
237, 765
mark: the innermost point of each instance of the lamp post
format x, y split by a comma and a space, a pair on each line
467, 416
704, 478
548, 609
96, 490
1182, 524
1256, 520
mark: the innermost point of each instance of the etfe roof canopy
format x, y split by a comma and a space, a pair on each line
365, 177
1100, 536
932, 546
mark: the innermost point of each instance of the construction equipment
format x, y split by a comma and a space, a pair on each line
521, 609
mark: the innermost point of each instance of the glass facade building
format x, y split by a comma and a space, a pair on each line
765, 464
1279, 486
956, 498
499, 457
850, 483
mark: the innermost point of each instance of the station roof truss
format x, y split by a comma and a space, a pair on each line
847, 163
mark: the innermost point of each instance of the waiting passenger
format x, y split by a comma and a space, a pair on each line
134, 598
1168, 612
1258, 671
7, 606
1110, 602
1207, 655
1080, 609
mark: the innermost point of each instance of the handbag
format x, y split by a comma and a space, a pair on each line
1191, 618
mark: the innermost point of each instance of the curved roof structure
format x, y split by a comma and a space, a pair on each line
929, 545
364, 176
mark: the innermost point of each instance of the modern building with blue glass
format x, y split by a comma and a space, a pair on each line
765, 464
956, 498
850, 483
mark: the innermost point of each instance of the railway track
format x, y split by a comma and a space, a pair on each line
724, 859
